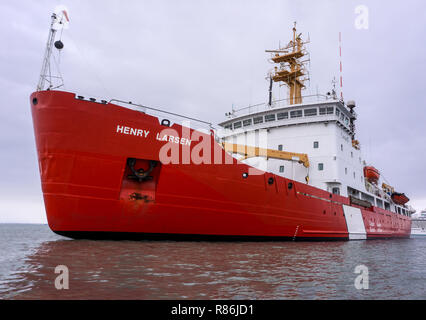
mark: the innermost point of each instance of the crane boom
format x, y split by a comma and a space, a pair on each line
249, 152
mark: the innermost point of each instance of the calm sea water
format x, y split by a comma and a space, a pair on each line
206, 270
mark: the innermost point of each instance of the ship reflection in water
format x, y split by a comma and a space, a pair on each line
220, 270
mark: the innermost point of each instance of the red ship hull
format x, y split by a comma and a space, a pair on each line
84, 151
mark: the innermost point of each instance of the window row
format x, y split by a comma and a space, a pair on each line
320, 167
309, 112
316, 146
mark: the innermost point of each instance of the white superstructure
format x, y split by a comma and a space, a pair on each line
310, 139
320, 130
323, 130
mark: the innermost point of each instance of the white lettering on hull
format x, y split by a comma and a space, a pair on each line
132, 131
174, 139
144, 133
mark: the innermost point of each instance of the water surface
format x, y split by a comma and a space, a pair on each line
206, 270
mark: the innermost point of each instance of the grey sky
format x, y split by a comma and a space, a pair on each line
200, 57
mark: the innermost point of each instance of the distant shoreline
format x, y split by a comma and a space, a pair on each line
24, 223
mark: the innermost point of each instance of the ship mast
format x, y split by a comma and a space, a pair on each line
290, 68
46, 70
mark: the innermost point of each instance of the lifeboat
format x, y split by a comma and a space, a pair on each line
399, 198
371, 174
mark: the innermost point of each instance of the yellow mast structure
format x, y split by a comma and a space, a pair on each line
291, 69
292, 72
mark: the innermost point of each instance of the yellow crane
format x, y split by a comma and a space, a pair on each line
249, 152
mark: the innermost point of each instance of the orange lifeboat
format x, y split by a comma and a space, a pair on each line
371, 174
399, 198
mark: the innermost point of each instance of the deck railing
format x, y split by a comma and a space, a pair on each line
277, 104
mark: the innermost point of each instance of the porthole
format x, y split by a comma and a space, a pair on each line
35, 101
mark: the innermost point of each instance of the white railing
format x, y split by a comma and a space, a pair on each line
276, 104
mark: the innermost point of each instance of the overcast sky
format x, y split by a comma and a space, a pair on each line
201, 57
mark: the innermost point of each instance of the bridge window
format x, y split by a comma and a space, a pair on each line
341, 147
296, 114
258, 120
346, 120
336, 191
346, 170
247, 122
281, 169
316, 144
310, 112
280, 147
270, 117
282, 115
328, 110
229, 126
320, 166
337, 112
237, 125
